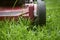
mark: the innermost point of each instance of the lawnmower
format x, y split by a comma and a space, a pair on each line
14, 8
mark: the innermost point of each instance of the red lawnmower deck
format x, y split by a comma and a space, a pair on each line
16, 12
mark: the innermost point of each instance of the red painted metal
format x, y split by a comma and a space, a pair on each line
27, 13
31, 12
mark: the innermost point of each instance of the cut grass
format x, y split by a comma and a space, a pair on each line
18, 30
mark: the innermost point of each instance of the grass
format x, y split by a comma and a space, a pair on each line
18, 30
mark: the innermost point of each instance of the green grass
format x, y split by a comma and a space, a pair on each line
18, 30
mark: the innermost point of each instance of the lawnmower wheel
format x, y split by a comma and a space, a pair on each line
41, 13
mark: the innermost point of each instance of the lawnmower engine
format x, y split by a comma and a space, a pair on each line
14, 8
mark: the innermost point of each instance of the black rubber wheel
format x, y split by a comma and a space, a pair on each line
41, 13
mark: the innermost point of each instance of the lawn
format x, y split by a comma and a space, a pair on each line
18, 30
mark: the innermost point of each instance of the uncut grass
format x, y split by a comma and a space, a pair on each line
18, 30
